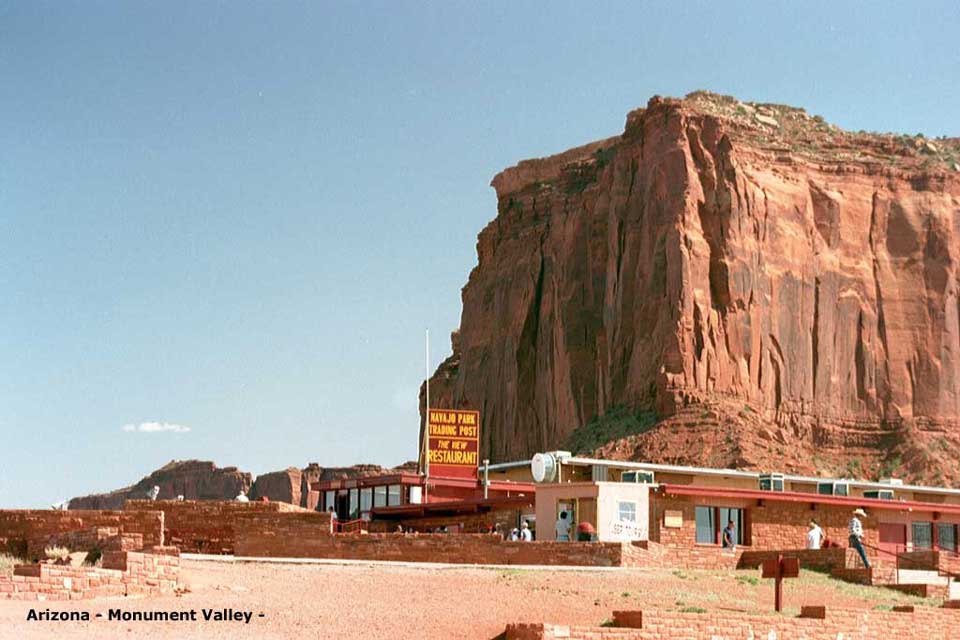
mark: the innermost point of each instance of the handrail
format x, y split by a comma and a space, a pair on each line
900, 559
349, 526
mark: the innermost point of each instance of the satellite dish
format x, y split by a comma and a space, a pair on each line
543, 467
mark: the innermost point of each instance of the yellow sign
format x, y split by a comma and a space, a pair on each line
454, 443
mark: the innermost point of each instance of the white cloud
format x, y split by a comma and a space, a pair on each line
155, 427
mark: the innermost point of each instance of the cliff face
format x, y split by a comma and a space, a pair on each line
781, 293
193, 479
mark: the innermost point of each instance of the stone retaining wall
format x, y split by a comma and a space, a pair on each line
123, 573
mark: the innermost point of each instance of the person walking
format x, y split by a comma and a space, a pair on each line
855, 535
814, 535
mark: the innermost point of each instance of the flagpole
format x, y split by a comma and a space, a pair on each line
426, 424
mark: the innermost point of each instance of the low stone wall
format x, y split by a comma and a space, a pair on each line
937, 624
464, 523
123, 573
205, 526
292, 539
823, 559
26, 532
97, 538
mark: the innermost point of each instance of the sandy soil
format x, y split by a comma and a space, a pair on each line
378, 601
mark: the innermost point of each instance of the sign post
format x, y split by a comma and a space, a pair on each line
778, 569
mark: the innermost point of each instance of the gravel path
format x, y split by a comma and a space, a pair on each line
422, 602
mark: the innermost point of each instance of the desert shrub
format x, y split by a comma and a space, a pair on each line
60, 554
94, 558
7, 563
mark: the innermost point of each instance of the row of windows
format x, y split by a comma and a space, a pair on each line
362, 500
923, 536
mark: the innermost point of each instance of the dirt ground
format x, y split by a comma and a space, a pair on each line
424, 602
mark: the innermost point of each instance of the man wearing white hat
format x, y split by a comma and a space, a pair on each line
855, 530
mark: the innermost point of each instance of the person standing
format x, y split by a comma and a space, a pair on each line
855, 535
563, 528
730, 536
525, 534
814, 536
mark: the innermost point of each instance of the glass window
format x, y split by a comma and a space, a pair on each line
393, 495
354, 504
947, 536
330, 500
706, 525
825, 488
922, 535
380, 496
627, 511
841, 489
366, 499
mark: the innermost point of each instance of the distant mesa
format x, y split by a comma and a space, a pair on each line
203, 480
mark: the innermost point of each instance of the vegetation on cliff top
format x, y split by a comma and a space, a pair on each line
618, 422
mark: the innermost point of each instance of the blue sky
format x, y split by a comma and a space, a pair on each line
240, 217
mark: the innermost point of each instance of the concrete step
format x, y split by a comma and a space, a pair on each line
920, 576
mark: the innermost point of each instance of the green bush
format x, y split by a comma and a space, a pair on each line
618, 422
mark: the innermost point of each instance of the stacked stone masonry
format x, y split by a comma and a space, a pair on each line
937, 624
206, 526
124, 573
26, 532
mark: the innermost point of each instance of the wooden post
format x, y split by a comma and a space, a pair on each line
778, 570
778, 585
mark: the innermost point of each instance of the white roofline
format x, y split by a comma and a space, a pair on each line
650, 466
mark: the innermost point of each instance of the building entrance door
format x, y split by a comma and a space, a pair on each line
893, 537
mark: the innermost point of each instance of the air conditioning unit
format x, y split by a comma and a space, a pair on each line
833, 488
638, 477
879, 494
771, 482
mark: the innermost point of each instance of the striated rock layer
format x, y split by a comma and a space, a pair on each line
783, 294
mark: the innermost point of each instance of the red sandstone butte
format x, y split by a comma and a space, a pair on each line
782, 293
193, 479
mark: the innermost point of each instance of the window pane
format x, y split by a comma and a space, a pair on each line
329, 501
841, 489
705, 525
393, 497
922, 535
354, 503
366, 499
627, 511
825, 488
947, 537
379, 496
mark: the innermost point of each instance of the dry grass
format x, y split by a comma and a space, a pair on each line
7, 562
57, 553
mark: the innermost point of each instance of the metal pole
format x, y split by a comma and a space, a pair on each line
426, 424
486, 477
